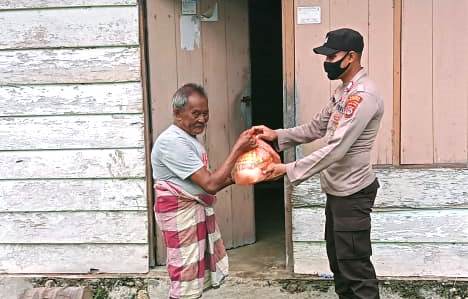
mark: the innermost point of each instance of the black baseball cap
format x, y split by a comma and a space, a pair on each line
343, 39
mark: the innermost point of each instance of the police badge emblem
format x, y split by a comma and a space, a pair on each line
351, 105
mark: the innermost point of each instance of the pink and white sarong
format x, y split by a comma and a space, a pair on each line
196, 257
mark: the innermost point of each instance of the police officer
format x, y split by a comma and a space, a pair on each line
349, 124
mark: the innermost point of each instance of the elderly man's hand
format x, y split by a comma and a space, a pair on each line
274, 171
245, 142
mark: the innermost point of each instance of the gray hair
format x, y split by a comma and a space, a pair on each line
180, 98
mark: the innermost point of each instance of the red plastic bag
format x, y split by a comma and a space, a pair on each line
248, 167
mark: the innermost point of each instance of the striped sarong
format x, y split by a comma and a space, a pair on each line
196, 257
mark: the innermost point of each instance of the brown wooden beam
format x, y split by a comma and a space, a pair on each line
148, 131
396, 131
288, 115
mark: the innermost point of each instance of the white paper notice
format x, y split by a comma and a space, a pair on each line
189, 7
308, 15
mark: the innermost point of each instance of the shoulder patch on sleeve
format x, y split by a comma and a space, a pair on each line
351, 105
360, 88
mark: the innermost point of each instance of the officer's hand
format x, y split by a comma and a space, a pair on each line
274, 171
265, 133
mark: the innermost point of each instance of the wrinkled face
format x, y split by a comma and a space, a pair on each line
193, 118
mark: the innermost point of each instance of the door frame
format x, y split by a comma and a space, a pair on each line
288, 23
148, 134
289, 112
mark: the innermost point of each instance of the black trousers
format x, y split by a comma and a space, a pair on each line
347, 235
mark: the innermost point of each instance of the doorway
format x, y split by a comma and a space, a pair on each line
236, 56
265, 36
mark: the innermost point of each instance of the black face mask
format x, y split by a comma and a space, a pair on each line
333, 69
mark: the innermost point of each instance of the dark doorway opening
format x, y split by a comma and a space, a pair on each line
267, 109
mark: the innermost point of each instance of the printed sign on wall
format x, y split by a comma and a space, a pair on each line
189, 7
308, 15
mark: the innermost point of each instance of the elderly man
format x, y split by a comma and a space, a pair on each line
185, 188
349, 123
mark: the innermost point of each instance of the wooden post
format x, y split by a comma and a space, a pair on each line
288, 115
396, 132
148, 132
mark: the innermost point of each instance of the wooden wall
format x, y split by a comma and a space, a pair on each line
420, 216
374, 20
434, 95
419, 224
72, 180
216, 55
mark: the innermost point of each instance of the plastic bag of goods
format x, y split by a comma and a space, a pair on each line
248, 167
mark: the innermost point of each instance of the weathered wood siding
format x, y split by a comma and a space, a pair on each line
394, 259
419, 224
72, 180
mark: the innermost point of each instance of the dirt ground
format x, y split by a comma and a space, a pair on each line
240, 288
235, 287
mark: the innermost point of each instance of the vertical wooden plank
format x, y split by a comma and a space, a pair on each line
312, 85
416, 83
162, 61
352, 14
380, 51
238, 84
396, 132
189, 61
214, 79
450, 92
289, 84
162, 74
147, 133
289, 114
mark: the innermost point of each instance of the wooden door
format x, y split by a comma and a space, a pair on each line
215, 53
374, 20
